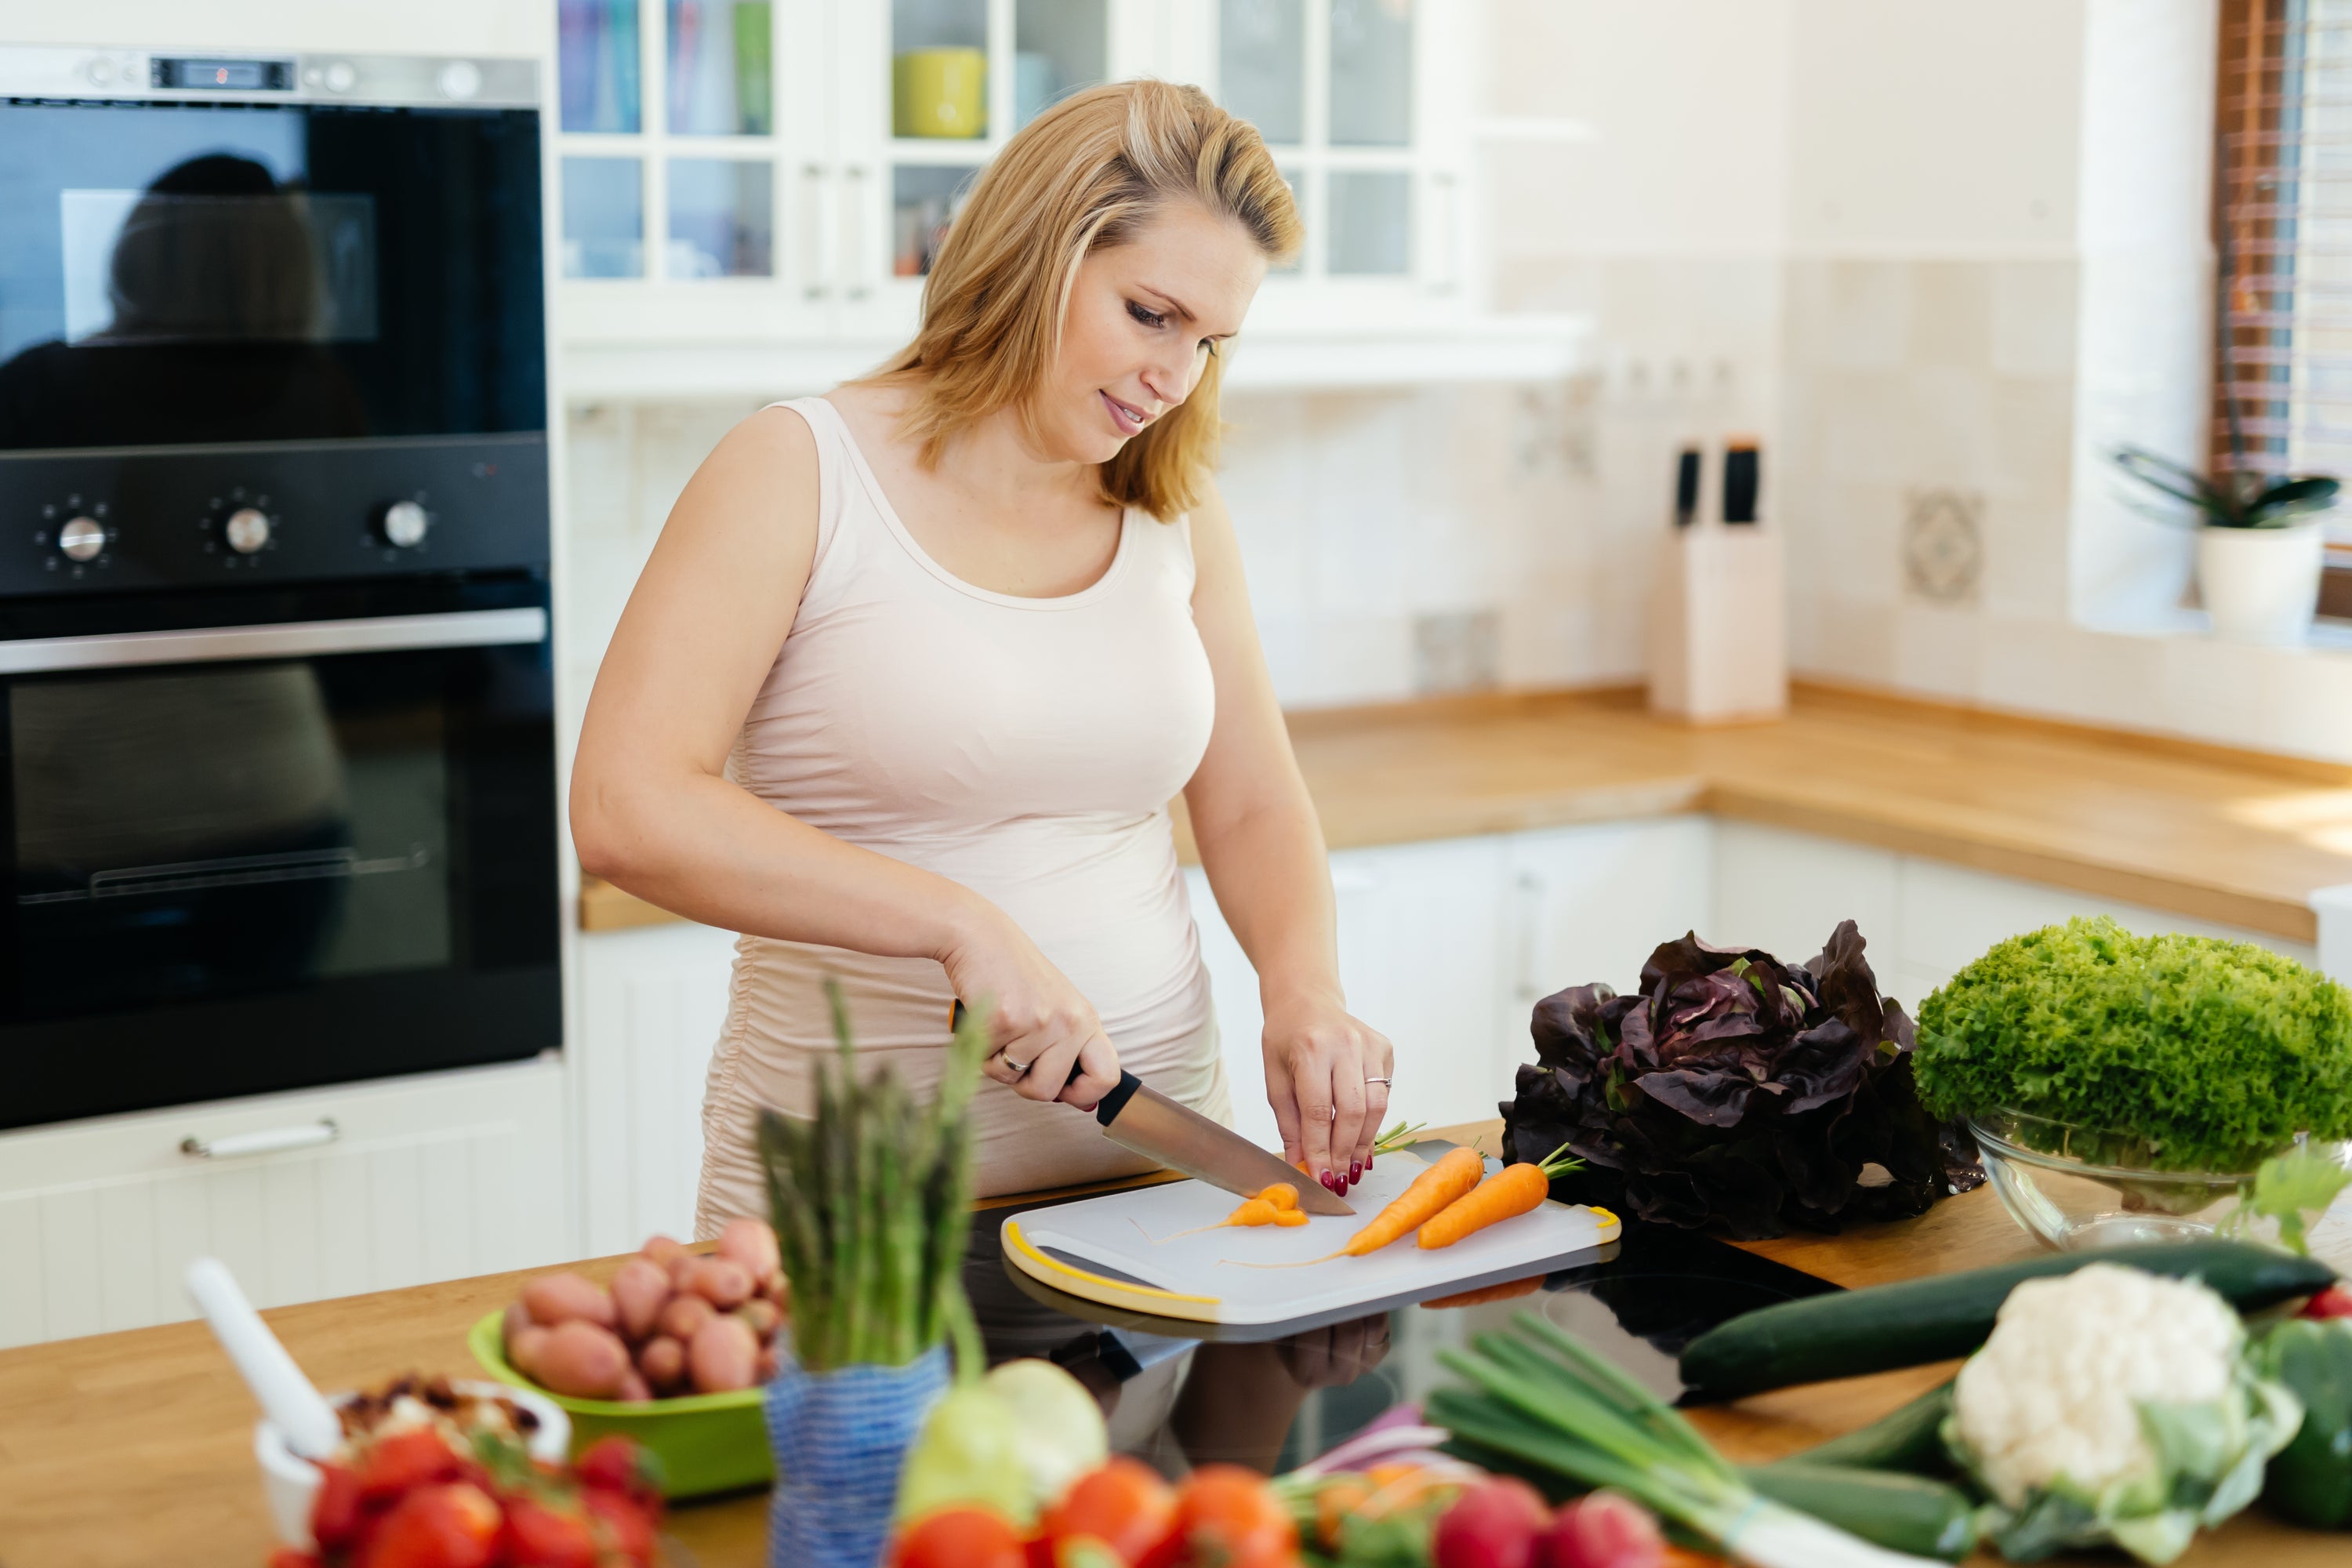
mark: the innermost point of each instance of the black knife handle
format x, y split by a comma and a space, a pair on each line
1107, 1110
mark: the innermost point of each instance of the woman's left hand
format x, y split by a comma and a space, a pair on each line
1327, 1077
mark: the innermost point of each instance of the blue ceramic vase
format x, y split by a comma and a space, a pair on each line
839, 1438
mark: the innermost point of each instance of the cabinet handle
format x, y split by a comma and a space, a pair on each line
853, 281
275, 1141
1530, 891
814, 248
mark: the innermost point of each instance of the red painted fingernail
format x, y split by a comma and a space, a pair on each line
1331, 1180
1355, 1172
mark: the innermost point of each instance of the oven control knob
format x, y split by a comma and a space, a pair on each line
81, 539
246, 530
405, 524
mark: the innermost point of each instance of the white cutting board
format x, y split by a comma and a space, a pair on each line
1206, 1276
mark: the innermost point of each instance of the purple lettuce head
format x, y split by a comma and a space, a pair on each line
1735, 1090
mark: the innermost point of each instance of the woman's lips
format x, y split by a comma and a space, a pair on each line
1128, 420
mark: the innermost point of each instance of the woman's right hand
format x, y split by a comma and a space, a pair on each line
1045, 1042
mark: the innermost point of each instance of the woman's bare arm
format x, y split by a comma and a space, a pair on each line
1263, 850
654, 813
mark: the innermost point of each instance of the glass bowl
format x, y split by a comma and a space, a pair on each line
2081, 1188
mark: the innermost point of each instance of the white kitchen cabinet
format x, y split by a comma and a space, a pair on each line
1445, 946
1591, 903
650, 1004
431, 1177
1922, 919
736, 212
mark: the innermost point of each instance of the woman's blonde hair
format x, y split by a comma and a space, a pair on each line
1084, 175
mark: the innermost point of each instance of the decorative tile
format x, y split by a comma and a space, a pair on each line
1943, 544
1457, 651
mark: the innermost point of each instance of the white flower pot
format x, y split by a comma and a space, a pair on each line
2260, 584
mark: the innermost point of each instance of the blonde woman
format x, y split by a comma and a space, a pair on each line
916, 667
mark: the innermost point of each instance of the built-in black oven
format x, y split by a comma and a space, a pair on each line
276, 754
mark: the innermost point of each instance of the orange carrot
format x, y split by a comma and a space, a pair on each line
1430, 1192
1486, 1293
1282, 1196
1290, 1217
1259, 1210
1514, 1190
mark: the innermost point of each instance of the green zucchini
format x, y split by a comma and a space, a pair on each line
1909, 1440
2310, 1479
1849, 1332
1902, 1513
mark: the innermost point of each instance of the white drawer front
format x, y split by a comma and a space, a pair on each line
395, 1201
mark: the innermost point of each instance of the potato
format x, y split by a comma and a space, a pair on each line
723, 1356
632, 1390
680, 1267
564, 1298
662, 1360
518, 1318
683, 1316
763, 1369
525, 1346
663, 1249
753, 1243
762, 1316
640, 1291
584, 1360
720, 1282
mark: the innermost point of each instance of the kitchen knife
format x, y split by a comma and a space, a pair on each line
1135, 1116
1146, 1120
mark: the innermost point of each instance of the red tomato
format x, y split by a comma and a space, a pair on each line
2335, 1301
626, 1524
287, 1557
615, 1464
453, 1526
539, 1535
1228, 1516
335, 1517
1124, 1504
405, 1461
959, 1538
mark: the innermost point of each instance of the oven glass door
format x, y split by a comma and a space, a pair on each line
182, 273
277, 854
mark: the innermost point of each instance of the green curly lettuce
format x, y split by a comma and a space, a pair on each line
2216, 1052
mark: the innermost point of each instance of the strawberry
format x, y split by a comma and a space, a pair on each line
615, 1464
335, 1514
629, 1526
451, 1526
542, 1535
400, 1463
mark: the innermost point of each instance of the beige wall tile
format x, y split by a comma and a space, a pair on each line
2033, 316
2033, 454
1951, 314
1938, 651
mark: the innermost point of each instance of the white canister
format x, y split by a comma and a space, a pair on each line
2260, 584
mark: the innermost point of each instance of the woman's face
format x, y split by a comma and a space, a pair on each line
1144, 318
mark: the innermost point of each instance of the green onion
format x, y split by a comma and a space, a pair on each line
1540, 1396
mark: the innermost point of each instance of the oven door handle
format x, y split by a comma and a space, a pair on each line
285, 639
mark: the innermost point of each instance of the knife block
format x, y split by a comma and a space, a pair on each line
1719, 625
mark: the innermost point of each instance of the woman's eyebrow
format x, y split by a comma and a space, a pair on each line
1170, 301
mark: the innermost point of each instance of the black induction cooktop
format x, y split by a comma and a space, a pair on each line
1271, 1396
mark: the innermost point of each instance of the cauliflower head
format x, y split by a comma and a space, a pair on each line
2114, 1407
2056, 1390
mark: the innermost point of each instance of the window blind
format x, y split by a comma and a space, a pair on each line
2283, 236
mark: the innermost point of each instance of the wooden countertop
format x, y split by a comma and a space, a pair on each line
130, 1449
2239, 838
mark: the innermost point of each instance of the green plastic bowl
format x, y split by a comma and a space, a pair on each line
707, 1442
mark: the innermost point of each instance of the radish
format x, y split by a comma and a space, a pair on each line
1603, 1530
1495, 1524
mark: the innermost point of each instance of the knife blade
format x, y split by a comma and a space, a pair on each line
1135, 1116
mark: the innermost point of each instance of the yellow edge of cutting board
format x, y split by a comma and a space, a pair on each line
1101, 1288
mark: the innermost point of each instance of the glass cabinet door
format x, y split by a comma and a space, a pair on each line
722, 68
1330, 84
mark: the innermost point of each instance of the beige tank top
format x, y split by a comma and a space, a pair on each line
1025, 748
